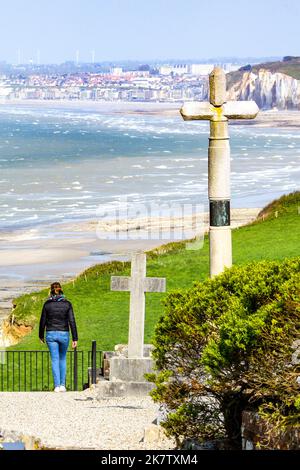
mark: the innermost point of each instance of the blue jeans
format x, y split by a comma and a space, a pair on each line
58, 342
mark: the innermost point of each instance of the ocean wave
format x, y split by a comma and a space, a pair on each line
105, 172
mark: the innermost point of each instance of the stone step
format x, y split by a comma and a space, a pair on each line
106, 389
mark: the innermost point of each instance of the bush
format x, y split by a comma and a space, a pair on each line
224, 346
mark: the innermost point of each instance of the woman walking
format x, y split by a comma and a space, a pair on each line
58, 317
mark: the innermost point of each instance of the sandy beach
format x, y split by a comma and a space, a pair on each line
284, 119
111, 107
279, 119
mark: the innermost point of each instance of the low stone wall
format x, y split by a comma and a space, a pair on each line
257, 434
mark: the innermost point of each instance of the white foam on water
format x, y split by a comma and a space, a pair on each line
34, 217
281, 135
186, 159
54, 200
152, 127
23, 210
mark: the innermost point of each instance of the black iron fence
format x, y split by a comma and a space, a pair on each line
28, 371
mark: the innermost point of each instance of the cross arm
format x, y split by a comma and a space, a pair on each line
120, 283
240, 109
155, 284
197, 111
230, 110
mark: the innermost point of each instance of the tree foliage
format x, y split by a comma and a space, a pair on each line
226, 345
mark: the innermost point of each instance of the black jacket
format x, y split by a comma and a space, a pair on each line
58, 315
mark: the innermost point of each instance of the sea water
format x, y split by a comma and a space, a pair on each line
63, 163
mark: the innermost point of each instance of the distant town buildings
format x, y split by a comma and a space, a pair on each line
166, 83
194, 69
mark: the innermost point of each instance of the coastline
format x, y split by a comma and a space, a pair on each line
272, 118
285, 119
31, 259
111, 107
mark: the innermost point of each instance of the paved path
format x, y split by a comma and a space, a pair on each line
78, 420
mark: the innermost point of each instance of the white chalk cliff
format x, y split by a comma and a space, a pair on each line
269, 90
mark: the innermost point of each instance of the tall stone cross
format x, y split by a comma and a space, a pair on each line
137, 285
218, 111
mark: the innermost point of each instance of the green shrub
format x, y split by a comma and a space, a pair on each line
226, 345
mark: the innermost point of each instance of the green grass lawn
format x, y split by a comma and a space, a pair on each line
102, 315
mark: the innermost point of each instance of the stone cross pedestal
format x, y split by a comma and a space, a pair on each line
127, 369
218, 111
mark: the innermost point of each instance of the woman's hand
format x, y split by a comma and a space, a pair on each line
74, 344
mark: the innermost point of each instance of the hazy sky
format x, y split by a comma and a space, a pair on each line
147, 29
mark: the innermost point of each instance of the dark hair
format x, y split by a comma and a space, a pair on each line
55, 288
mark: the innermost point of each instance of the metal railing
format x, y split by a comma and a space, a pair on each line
23, 371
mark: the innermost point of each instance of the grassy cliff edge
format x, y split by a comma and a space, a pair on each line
102, 315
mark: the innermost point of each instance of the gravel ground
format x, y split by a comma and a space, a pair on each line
78, 420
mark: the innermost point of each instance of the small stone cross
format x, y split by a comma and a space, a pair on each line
137, 285
218, 111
